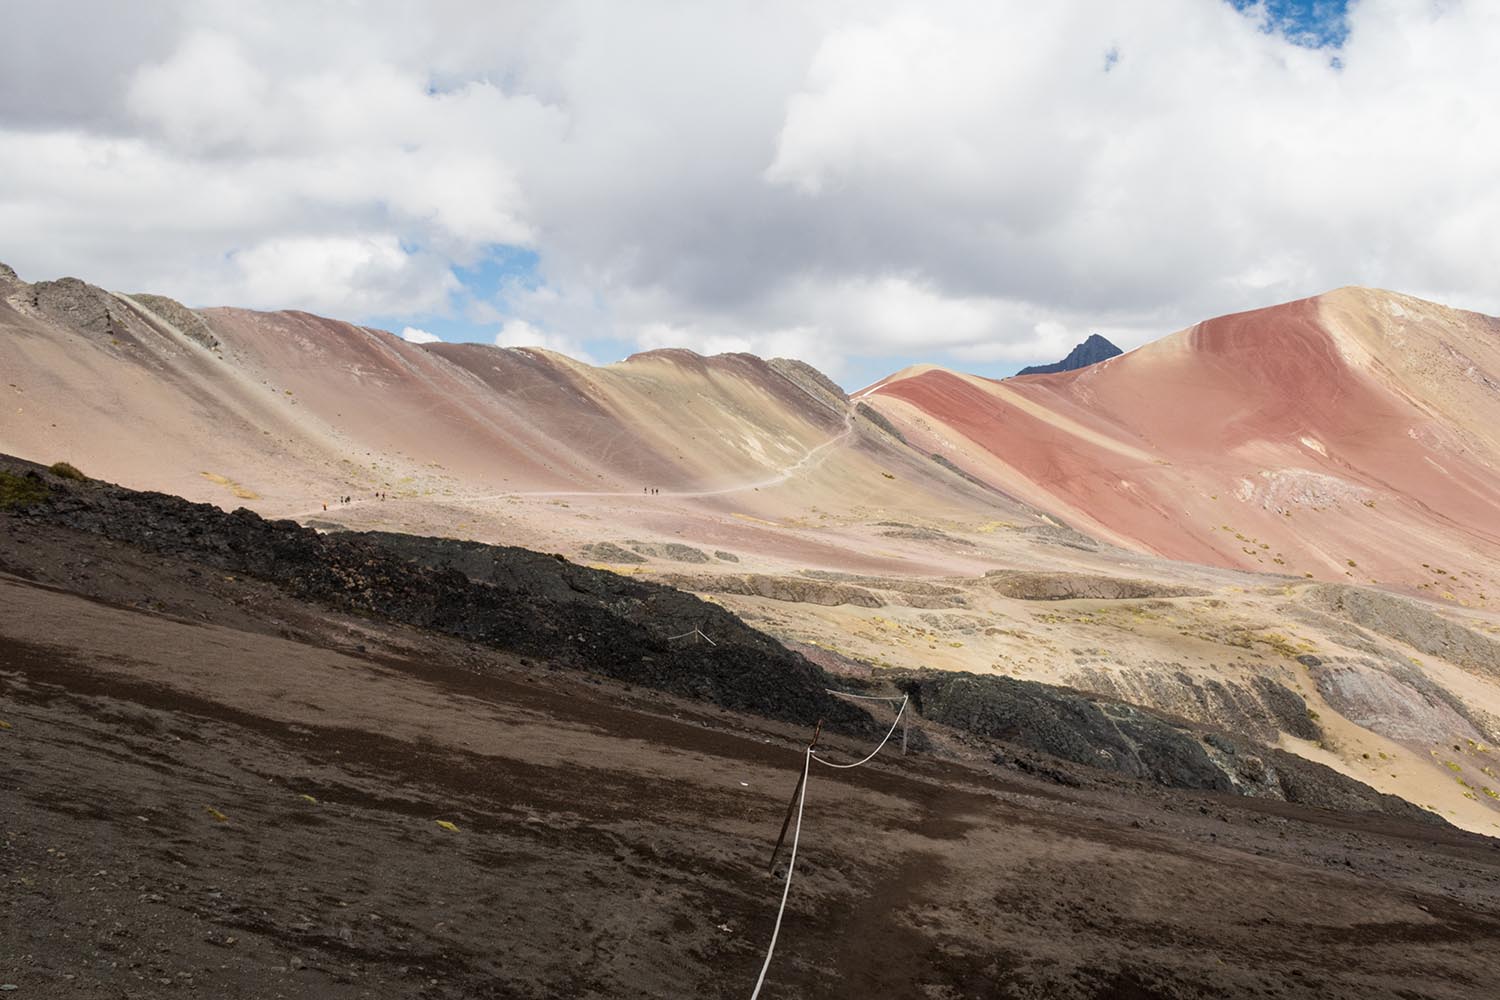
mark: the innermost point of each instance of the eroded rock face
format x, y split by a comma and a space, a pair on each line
1400, 703
1409, 622
779, 588
1123, 738
76, 303
1115, 737
811, 381
1032, 586
1260, 708
915, 533
609, 552
1058, 534
897, 590
675, 551
189, 323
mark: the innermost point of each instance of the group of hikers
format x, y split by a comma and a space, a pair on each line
350, 499
650, 489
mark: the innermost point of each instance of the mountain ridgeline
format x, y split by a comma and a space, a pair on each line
1160, 530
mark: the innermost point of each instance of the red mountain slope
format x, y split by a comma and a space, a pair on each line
1349, 435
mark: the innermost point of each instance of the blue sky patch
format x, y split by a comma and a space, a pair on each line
1313, 24
484, 284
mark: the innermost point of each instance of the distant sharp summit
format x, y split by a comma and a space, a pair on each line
1090, 352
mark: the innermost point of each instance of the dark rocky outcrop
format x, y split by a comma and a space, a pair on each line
898, 590
675, 551
1028, 585
1107, 735
1411, 623
1128, 740
1092, 351
875, 417
187, 322
1257, 707
778, 588
638, 552
811, 381
1059, 534
514, 599
77, 303
609, 552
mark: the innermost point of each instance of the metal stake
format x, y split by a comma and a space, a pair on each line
792, 805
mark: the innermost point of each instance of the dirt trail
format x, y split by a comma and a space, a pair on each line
808, 461
196, 806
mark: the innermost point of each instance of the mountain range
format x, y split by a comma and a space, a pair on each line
1294, 506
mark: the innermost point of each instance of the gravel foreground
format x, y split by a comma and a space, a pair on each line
211, 787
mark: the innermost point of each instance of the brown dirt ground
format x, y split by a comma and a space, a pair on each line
222, 791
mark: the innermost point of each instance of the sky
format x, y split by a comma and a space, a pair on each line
862, 185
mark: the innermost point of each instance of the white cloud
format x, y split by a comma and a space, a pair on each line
519, 333
412, 335
893, 178
368, 275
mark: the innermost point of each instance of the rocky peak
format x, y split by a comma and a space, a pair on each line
1092, 351
76, 302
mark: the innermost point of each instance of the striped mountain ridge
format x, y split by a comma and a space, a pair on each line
1353, 436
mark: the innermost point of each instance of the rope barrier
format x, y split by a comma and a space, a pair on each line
696, 632
791, 862
862, 697
897, 722
790, 865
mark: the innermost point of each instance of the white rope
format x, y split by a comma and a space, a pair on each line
697, 632
787, 889
797, 834
883, 742
862, 697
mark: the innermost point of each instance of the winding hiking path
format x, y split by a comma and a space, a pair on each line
807, 462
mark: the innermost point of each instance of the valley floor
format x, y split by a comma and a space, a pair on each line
240, 797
